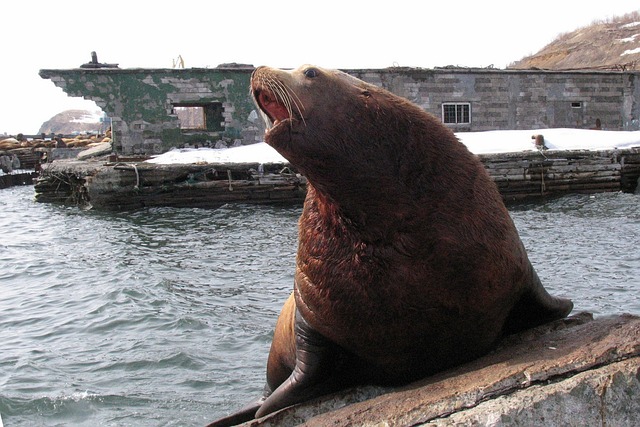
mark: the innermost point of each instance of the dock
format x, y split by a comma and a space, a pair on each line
19, 178
538, 174
21, 159
129, 183
25, 168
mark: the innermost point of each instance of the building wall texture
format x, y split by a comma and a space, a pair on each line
141, 102
513, 99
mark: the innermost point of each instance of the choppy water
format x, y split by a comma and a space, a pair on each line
163, 317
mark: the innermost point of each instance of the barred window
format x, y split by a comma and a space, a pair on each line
456, 113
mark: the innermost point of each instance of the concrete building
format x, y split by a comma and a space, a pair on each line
153, 110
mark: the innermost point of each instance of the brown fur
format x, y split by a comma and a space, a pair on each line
282, 357
408, 259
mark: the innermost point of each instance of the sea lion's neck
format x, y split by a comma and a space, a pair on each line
369, 216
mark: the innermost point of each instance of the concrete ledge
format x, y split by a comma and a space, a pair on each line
576, 371
607, 396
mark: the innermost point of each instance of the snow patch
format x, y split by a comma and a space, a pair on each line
630, 51
91, 117
505, 141
496, 141
254, 153
629, 39
630, 25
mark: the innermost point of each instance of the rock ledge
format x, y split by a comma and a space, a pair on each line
576, 371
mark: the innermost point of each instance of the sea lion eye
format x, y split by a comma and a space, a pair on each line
311, 73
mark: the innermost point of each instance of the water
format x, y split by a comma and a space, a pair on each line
163, 317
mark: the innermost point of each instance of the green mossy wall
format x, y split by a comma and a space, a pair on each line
140, 103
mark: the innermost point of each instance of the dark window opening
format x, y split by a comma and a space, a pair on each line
206, 117
576, 105
458, 113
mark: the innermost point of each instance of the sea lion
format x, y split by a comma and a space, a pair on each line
408, 261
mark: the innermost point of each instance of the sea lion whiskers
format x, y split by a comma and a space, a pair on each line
288, 97
281, 95
266, 120
268, 90
254, 91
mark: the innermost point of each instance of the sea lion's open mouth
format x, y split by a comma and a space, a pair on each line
271, 106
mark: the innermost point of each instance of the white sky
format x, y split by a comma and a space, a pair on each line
332, 33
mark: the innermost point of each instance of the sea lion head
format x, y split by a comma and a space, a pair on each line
294, 101
337, 129
315, 117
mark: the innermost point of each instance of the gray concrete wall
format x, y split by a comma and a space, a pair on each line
515, 99
141, 101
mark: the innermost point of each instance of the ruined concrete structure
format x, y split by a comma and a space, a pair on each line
153, 110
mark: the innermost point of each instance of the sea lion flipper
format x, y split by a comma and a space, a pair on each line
536, 307
247, 413
314, 373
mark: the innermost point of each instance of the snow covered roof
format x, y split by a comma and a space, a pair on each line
507, 141
497, 141
254, 153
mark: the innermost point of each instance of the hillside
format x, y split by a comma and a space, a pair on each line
73, 121
610, 45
